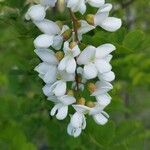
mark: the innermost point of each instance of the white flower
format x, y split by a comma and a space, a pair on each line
48, 68
77, 5
100, 116
61, 106
52, 29
108, 76
59, 87
96, 3
103, 20
78, 121
96, 60
80, 5
84, 28
48, 3
68, 63
101, 95
36, 13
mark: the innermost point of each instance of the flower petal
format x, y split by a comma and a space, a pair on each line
104, 50
90, 71
36, 13
67, 100
48, 27
111, 24
62, 113
60, 88
96, 3
108, 76
43, 41
86, 55
100, 119
102, 66
46, 55
76, 120
55, 109
57, 42
103, 99
71, 65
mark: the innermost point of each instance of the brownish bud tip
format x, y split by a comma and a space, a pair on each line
91, 87
90, 19
90, 104
59, 55
72, 45
67, 34
81, 101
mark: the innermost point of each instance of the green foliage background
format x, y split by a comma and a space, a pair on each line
25, 123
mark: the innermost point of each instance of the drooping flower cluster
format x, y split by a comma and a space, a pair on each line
67, 69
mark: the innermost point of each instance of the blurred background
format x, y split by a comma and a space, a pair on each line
25, 123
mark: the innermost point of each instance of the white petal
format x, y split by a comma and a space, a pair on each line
62, 113
50, 76
47, 90
36, 13
105, 8
76, 120
81, 108
57, 42
96, 3
63, 63
111, 24
108, 76
85, 27
76, 51
100, 119
60, 88
90, 71
67, 76
71, 65
43, 41
103, 99
48, 27
103, 66
46, 55
102, 87
75, 132
42, 68
100, 17
67, 100
86, 55
104, 50
55, 108
82, 7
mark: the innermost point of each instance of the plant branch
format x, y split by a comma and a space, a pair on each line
75, 29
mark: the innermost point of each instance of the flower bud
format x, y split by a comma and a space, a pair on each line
59, 55
91, 87
70, 93
78, 24
90, 104
72, 45
90, 19
60, 24
67, 34
81, 101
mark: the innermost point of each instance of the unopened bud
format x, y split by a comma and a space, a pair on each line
59, 55
91, 87
90, 104
72, 45
67, 34
78, 24
60, 24
81, 101
90, 19
70, 93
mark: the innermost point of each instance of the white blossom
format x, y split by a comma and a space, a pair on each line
102, 19
61, 106
36, 13
68, 63
95, 60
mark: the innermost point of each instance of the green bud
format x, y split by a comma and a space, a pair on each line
90, 19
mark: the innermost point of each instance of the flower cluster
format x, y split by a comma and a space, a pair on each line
67, 69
